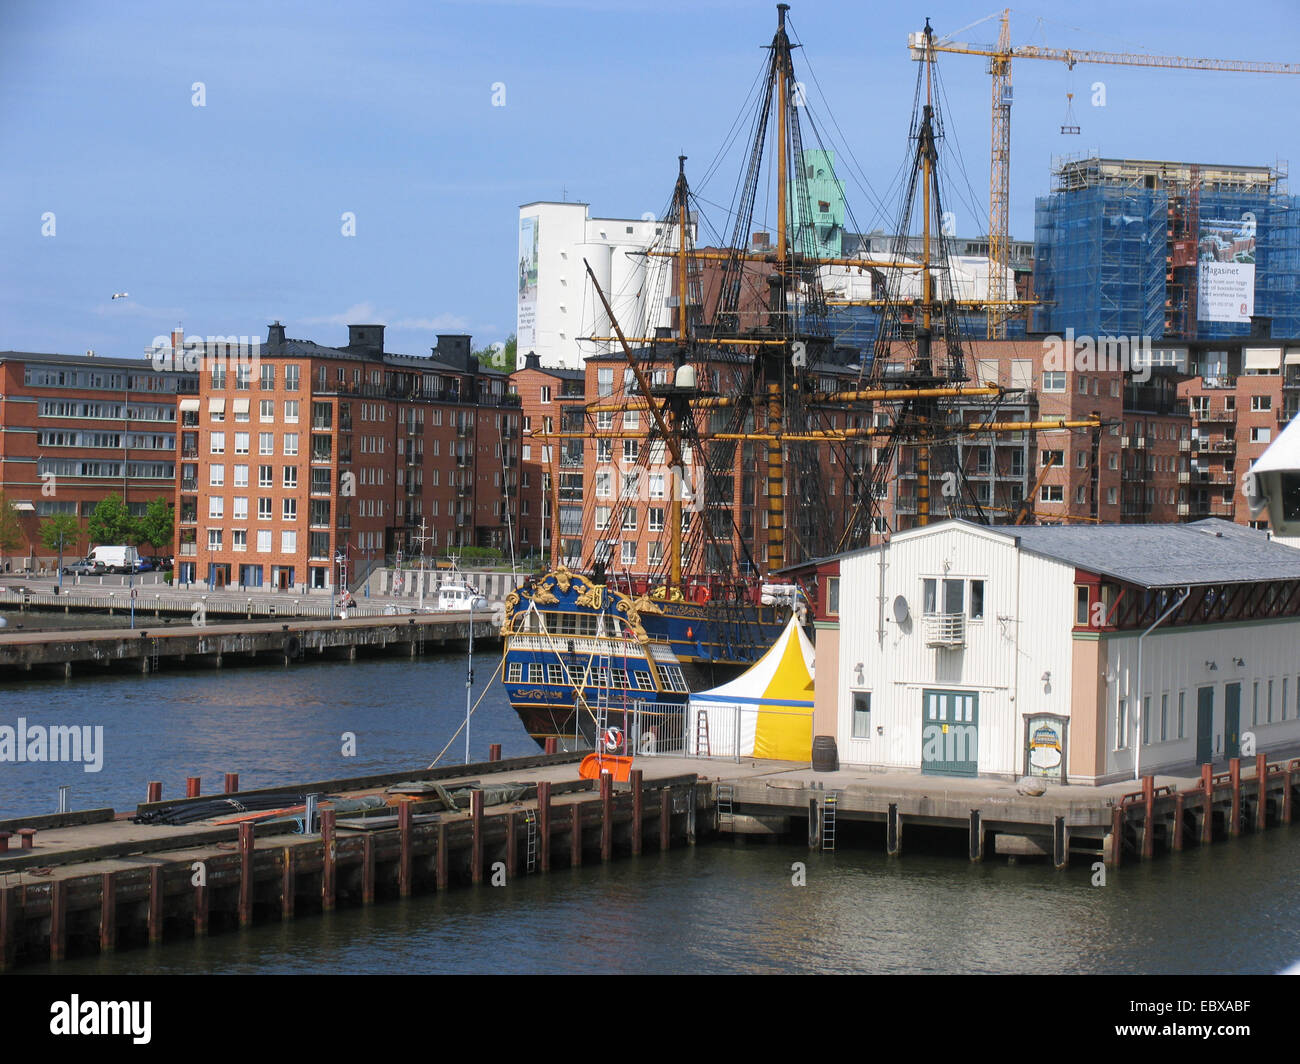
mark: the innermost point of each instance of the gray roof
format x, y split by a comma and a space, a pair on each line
1164, 555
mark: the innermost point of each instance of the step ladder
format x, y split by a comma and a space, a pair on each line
726, 798
530, 840
830, 805
702, 734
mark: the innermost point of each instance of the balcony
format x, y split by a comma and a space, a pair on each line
463, 461
320, 424
464, 431
1184, 509
320, 457
1185, 446
189, 484
1216, 417
189, 550
190, 452
509, 461
1184, 478
464, 491
945, 629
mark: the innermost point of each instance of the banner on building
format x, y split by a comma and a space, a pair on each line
1225, 276
526, 326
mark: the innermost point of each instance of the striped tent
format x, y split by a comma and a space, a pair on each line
765, 712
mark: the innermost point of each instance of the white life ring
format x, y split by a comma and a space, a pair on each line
613, 739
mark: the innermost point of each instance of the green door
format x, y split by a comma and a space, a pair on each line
949, 733
1205, 725
1232, 720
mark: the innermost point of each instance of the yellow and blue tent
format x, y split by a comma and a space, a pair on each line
766, 711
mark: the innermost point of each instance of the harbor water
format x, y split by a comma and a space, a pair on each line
718, 907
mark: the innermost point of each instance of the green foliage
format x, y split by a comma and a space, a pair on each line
111, 523
502, 358
11, 529
65, 526
156, 527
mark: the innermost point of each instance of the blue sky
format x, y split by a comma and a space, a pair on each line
224, 217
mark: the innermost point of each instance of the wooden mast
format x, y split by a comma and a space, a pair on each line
675, 491
776, 365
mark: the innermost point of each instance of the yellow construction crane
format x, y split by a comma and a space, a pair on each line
999, 57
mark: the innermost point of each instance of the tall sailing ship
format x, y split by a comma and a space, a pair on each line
759, 442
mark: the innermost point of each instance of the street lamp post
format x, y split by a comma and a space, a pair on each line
469, 675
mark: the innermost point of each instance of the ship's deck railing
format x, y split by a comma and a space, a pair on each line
559, 643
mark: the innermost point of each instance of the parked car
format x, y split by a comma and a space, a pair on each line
143, 565
85, 567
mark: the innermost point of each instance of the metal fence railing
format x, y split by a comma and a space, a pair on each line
656, 728
731, 730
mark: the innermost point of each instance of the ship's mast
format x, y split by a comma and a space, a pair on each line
776, 358
683, 328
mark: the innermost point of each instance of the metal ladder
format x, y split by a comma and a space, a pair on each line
726, 796
530, 840
702, 734
829, 807
604, 677
153, 657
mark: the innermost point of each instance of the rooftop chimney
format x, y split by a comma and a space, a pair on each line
366, 340
274, 336
453, 349
532, 360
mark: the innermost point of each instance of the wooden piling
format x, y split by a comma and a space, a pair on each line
1261, 778
367, 868
441, 866
246, 873
976, 836
58, 919
155, 903
108, 912
665, 818
1116, 855
1148, 817
476, 850
201, 909
192, 786
606, 816
232, 782
1234, 777
8, 930
638, 810
1177, 840
575, 843
329, 860
1286, 795
153, 791
544, 823
552, 745
893, 832
288, 883
494, 751
1207, 789
512, 828
1060, 843
404, 858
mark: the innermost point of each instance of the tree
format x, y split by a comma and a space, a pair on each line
498, 355
111, 523
11, 529
155, 526
64, 526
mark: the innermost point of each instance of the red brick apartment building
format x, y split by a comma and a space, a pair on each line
308, 456
75, 429
551, 400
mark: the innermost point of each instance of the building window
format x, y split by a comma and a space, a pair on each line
291, 378
239, 539
216, 475
241, 443
264, 540
1164, 717
629, 551
266, 410
265, 476
290, 443
1254, 704
1261, 435
544, 393
218, 443
976, 600
1261, 402
604, 381
1121, 725
1182, 718
291, 476
240, 511
266, 443
216, 507
267, 376
289, 541
291, 411
861, 714
1080, 604
264, 509
1053, 380
241, 476
1052, 493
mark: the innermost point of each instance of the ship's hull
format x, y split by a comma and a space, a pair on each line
586, 664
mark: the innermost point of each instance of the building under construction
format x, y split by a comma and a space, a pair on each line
1179, 251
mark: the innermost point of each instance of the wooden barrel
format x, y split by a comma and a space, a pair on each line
825, 754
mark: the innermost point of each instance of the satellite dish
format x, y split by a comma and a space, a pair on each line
901, 611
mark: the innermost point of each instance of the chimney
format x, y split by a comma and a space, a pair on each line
274, 336
453, 349
178, 338
532, 361
367, 340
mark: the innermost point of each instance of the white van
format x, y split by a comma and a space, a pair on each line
115, 559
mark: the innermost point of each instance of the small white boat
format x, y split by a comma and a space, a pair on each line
458, 596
